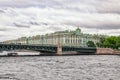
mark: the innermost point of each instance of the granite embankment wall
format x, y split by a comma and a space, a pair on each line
107, 51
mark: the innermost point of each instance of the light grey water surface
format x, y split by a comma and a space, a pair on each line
82, 67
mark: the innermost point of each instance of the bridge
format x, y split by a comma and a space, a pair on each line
48, 48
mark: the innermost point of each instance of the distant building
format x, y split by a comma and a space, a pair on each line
65, 38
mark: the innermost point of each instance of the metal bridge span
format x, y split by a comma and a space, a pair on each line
47, 48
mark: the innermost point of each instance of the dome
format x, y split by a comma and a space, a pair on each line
78, 29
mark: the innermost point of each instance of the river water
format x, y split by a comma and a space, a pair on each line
81, 67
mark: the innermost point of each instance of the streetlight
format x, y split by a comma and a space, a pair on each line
27, 41
42, 40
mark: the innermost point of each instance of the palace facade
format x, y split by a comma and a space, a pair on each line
65, 38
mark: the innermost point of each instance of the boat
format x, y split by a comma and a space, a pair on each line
12, 54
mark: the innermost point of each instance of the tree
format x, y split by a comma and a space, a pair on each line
101, 41
90, 44
111, 42
118, 42
98, 44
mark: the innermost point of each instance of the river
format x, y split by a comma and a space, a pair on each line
81, 67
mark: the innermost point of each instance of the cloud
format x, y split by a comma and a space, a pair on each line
103, 6
3, 29
32, 17
21, 25
98, 21
2, 11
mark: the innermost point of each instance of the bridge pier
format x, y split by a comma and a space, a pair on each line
59, 49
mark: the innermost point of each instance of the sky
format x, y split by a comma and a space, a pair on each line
20, 18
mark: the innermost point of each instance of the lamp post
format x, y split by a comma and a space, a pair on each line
27, 41
95, 37
42, 40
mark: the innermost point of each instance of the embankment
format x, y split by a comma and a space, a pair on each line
107, 51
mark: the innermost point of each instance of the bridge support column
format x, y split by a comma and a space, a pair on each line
59, 49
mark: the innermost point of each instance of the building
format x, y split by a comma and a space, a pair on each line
65, 38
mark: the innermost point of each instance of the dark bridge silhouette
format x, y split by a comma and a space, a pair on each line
47, 48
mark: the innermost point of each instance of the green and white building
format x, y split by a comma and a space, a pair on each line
65, 38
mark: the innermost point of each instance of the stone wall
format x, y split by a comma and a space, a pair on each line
117, 52
105, 51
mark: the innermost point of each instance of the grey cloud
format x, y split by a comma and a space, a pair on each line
21, 25
55, 28
34, 23
108, 6
16, 3
43, 16
29, 23
114, 32
3, 29
105, 25
103, 6
6, 29
37, 23
2, 11
1, 35
28, 3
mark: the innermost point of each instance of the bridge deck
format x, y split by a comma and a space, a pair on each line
46, 48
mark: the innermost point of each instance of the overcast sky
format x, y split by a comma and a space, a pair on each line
33, 17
